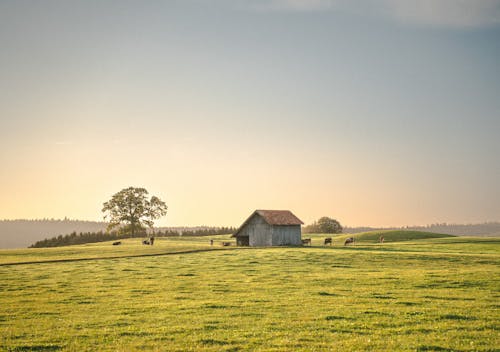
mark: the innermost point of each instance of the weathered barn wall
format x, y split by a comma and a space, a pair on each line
286, 235
261, 234
258, 231
242, 241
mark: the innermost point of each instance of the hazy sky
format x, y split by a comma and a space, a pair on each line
373, 112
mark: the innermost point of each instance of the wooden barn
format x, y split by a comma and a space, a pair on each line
270, 228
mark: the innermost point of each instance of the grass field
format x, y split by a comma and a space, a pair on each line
430, 294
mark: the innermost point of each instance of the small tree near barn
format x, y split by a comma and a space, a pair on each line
133, 210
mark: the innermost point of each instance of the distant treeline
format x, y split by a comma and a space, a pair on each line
74, 238
209, 231
101, 236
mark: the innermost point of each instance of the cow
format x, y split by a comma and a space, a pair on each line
117, 243
348, 241
306, 241
329, 241
152, 240
146, 242
381, 239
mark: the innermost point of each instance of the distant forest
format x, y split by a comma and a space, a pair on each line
23, 233
100, 236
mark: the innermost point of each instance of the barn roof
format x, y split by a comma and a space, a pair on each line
273, 217
279, 217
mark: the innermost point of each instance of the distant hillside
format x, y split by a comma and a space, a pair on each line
484, 229
395, 235
22, 233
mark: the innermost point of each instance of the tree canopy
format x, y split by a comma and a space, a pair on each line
131, 210
324, 225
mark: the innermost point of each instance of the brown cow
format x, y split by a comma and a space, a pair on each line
306, 241
349, 241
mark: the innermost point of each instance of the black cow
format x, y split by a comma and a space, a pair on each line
328, 240
117, 243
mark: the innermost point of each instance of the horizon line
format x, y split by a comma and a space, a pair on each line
344, 226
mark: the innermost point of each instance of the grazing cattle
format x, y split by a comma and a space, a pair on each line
349, 240
151, 240
306, 241
146, 242
328, 240
225, 244
211, 242
117, 243
381, 239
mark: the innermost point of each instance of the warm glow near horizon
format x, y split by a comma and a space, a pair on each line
375, 119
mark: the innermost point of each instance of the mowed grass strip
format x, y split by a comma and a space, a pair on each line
276, 299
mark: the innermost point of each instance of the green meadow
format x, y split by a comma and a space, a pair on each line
412, 293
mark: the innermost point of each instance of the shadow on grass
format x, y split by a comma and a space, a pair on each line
214, 342
336, 317
435, 349
456, 317
44, 348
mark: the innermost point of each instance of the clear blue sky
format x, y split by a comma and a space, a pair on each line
374, 112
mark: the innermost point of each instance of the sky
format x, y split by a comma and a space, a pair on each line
376, 112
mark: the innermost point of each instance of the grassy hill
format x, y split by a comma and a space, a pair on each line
372, 237
131, 247
182, 294
394, 236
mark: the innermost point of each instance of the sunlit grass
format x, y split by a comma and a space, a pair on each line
403, 297
128, 247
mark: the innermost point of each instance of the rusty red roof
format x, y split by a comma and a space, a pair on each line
279, 217
273, 217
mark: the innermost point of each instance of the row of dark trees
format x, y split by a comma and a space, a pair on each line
101, 236
77, 238
203, 232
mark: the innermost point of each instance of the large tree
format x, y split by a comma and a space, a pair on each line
324, 225
132, 210
329, 225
